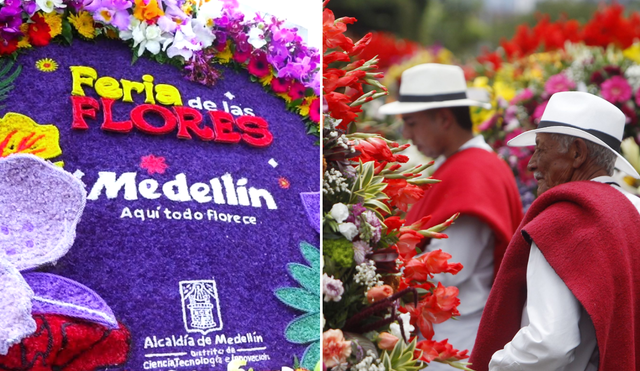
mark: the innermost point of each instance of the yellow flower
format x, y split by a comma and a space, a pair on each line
504, 91
225, 55
47, 65
83, 22
481, 82
24, 41
147, 12
54, 20
267, 79
632, 52
285, 96
303, 109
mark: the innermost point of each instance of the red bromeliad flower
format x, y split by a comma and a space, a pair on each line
39, 31
430, 350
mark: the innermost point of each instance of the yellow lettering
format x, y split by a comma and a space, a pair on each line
82, 75
148, 88
128, 86
108, 87
168, 95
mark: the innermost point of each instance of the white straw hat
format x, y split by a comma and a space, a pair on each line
429, 86
582, 115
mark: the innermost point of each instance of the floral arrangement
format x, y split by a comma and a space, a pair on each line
191, 34
379, 302
583, 58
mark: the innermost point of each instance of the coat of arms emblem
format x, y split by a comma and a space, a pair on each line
200, 306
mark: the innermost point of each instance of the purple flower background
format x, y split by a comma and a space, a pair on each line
136, 266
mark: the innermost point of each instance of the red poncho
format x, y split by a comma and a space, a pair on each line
478, 183
590, 234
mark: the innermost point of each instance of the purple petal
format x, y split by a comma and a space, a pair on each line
59, 295
16, 321
46, 199
311, 202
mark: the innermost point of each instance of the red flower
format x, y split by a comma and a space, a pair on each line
406, 245
39, 31
258, 65
333, 31
437, 262
429, 350
296, 91
7, 47
280, 85
393, 223
314, 110
241, 57
153, 164
402, 194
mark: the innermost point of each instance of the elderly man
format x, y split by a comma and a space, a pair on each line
475, 182
567, 296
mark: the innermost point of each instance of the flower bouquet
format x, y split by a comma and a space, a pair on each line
379, 302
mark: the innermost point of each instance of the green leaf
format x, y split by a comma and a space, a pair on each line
67, 31
7, 66
11, 78
134, 57
298, 298
311, 356
306, 277
304, 329
311, 255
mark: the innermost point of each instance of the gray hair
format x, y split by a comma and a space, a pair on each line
601, 156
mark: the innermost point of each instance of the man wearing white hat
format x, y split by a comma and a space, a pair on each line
567, 296
434, 106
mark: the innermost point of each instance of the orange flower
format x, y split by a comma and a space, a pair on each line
147, 12
335, 349
378, 293
387, 341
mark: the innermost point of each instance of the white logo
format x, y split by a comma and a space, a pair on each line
200, 306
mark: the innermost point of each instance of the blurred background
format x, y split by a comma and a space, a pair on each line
462, 26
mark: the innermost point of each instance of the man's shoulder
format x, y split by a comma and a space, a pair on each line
475, 163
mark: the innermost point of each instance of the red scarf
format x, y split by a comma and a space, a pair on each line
590, 234
478, 183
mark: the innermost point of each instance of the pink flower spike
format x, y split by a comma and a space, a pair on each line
153, 164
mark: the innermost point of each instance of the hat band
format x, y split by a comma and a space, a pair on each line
432, 98
609, 140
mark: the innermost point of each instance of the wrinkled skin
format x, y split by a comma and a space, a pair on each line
549, 165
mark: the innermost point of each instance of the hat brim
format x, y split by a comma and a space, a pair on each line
396, 108
528, 138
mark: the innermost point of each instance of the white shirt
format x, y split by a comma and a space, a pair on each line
471, 242
557, 334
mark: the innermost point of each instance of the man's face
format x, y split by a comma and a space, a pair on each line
425, 131
549, 165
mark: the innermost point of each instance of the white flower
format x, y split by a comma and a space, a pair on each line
339, 212
394, 328
191, 36
48, 6
256, 38
209, 11
348, 230
331, 288
360, 250
149, 37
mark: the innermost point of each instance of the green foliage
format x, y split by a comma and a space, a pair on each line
7, 77
368, 189
340, 251
401, 358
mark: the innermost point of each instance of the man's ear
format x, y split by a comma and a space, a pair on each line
447, 118
578, 152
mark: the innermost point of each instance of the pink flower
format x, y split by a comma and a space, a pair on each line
153, 164
638, 97
314, 110
523, 95
387, 341
616, 89
557, 83
537, 114
335, 349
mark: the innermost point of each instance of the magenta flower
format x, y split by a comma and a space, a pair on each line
558, 83
616, 89
638, 97
153, 164
537, 114
523, 95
